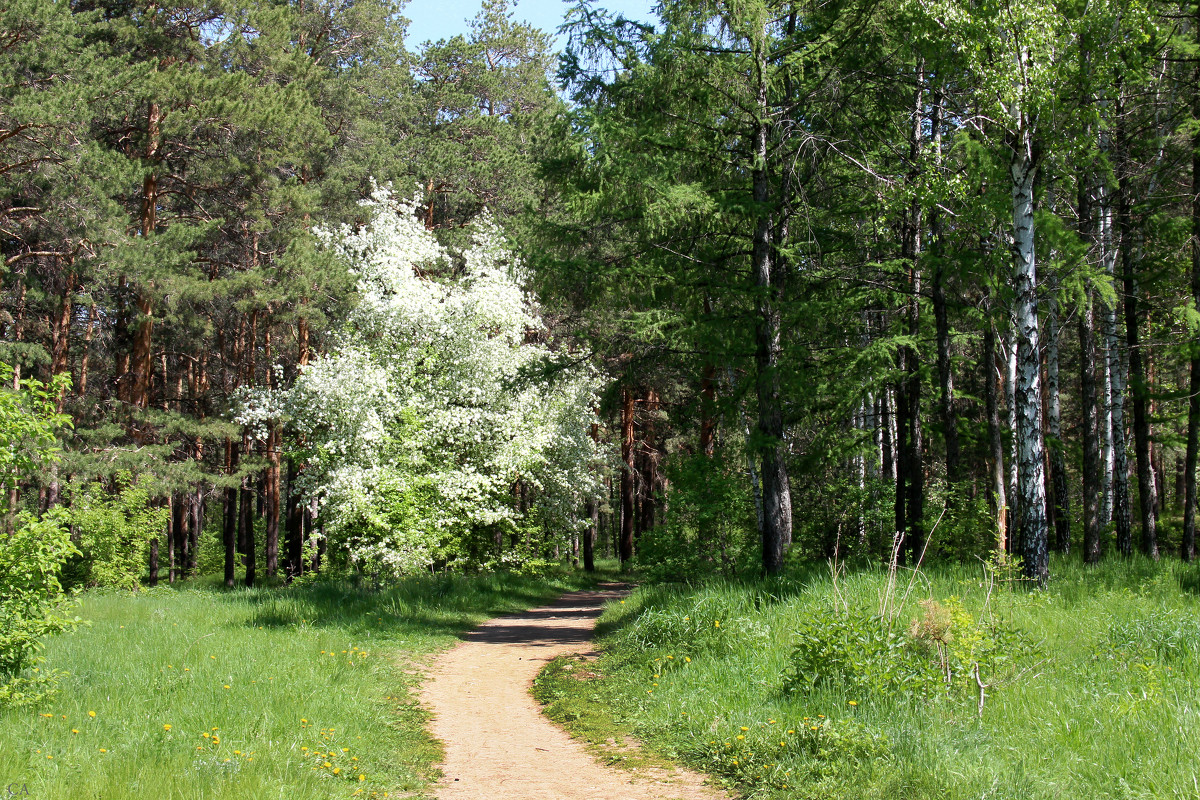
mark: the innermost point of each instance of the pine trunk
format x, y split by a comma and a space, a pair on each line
625, 546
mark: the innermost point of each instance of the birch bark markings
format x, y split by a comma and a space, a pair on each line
1031, 471
1188, 544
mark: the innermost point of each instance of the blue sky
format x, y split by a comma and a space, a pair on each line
441, 19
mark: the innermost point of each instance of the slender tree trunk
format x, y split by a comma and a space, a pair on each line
174, 536
1060, 505
589, 536
230, 519
246, 524
1121, 514
1188, 546
708, 421
195, 529
93, 318
904, 462
777, 496
294, 525
272, 501
1147, 496
625, 548
153, 581
1091, 467
997, 493
1031, 479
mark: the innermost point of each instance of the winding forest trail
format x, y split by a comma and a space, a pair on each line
499, 746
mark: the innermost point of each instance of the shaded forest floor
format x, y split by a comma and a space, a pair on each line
199, 692
1092, 687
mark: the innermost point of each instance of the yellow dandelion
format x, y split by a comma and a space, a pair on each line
745, 728
717, 624
337, 770
740, 736
167, 727
327, 765
687, 659
227, 686
74, 730
853, 702
362, 777
102, 750
91, 713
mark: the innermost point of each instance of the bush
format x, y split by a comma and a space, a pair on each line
114, 535
945, 650
32, 602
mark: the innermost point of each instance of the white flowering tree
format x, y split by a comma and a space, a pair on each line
432, 405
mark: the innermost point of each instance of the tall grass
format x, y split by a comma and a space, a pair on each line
1108, 708
198, 692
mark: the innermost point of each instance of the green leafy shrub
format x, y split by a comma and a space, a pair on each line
945, 649
114, 534
32, 602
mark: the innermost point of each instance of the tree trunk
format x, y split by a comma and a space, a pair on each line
625, 547
1147, 496
295, 525
174, 535
1121, 515
777, 497
1060, 505
589, 536
230, 520
996, 494
195, 529
1188, 546
1031, 478
272, 501
1090, 472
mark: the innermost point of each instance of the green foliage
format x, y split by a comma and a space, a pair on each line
945, 649
709, 526
115, 529
29, 425
32, 603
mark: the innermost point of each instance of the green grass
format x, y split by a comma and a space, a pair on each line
1109, 707
278, 679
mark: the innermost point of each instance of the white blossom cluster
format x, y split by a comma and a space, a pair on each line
428, 410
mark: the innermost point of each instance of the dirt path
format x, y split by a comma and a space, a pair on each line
498, 744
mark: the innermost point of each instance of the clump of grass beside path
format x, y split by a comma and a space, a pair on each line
196, 692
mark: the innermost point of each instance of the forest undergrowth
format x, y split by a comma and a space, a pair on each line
197, 692
951, 683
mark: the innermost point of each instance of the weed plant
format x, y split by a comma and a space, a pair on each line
1090, 688
197, 692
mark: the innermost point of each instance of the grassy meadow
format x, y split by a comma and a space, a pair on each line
1104, 702
196, 692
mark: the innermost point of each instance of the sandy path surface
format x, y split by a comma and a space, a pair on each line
498, 744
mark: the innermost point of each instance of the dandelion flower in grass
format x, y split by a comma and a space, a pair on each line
327, 765
687, 659
853, 702
227, 686
103, 750
91, 713
167, 727
745, 728
74, 730
337, 770
717, 624
362, 777
740, 737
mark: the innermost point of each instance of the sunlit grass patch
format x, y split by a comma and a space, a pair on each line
198, 692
